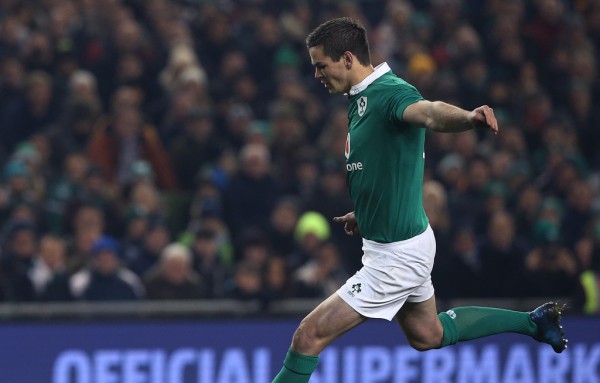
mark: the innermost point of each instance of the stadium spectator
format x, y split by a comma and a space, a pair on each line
551, 268
247, 283
250, 196
48, 274
117, 147
457, 273
283, 221
436, 207
86, 226
64, 190
208, 262
320, 276
154, 241
31, 113
18, 256
502, 255
276, 280
312, 229
16, 188
106, 279
586, 298
174, 277
195, 148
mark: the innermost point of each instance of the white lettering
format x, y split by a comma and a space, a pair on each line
234, 368
585, 364
552, 367
484, 370
157, 367
518, 367
206, 366
262, 367
106, 361
376, 364
466, 363
354, 166
349, 365
328, 371
438, 366
133, 363
72, 363
176, 367
406, 359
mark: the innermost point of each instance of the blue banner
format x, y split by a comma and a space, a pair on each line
251, 351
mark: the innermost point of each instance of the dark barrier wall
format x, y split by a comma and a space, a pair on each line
251, 351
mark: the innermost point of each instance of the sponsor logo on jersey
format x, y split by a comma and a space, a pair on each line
347, 149
362, 105
354, 165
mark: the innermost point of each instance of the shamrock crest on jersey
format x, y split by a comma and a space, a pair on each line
362, 105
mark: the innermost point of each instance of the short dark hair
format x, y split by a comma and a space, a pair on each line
340, 35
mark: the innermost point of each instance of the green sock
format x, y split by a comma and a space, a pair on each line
297, 368
466, 323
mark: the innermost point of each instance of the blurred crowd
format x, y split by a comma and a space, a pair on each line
181, 149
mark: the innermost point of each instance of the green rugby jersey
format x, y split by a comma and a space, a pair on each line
385, 158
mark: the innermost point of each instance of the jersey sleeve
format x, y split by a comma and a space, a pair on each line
402, 96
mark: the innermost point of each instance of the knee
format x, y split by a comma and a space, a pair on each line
306, 340
421, 345
427, 341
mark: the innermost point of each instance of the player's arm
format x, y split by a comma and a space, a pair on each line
442, 117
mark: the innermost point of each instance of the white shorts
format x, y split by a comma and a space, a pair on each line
392, 274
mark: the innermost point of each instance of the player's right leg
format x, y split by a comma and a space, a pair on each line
425, 330
422, 327
420, 323
466, 323
328, 321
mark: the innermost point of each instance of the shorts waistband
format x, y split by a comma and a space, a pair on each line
377, 245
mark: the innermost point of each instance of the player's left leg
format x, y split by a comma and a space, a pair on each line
426, 330
323, 325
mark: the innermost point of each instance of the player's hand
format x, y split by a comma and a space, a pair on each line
483, 117
350, 224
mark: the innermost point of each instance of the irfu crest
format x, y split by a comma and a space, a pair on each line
362, 105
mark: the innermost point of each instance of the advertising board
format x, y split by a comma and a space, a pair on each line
251, 351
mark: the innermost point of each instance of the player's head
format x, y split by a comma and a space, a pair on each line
337, 48
341, 35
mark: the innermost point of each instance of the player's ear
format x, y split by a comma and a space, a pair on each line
348, 59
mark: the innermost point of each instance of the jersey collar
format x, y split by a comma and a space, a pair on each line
380, 70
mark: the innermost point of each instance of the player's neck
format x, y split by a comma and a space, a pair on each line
360, 73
